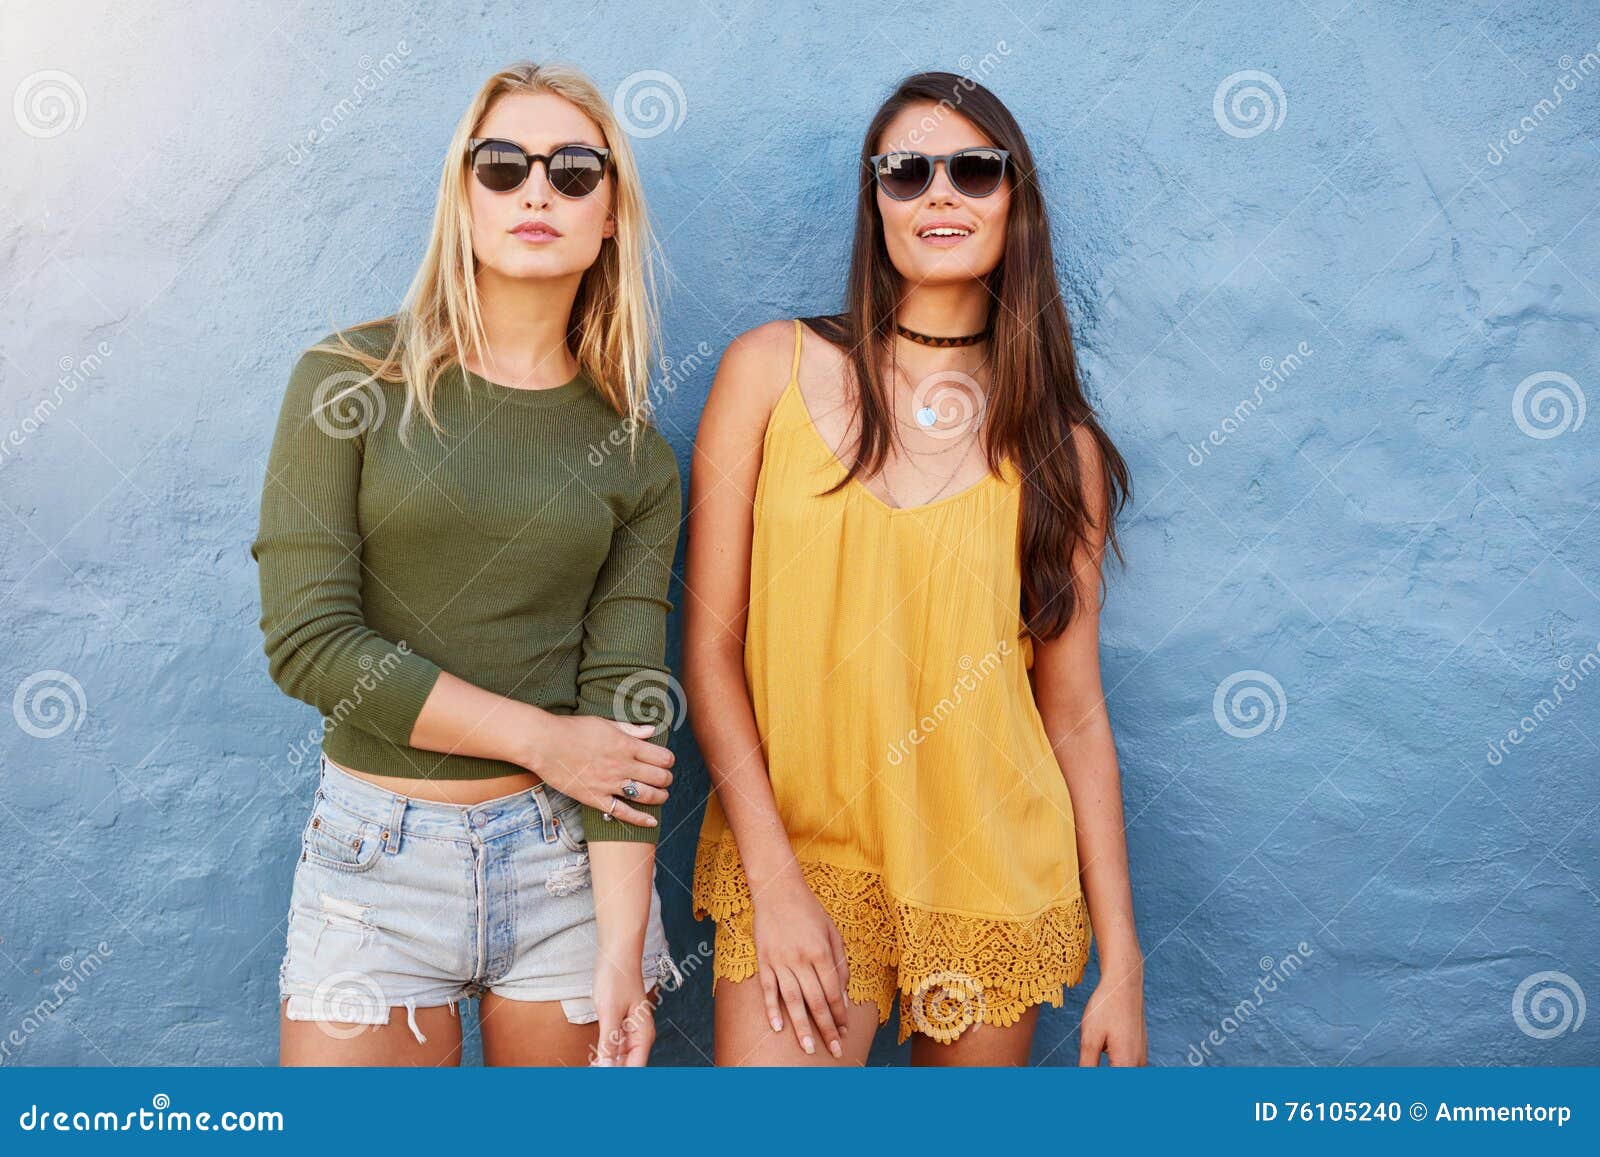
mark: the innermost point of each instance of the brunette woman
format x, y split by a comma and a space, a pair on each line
898, 522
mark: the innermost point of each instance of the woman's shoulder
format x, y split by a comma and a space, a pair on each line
341, 358
776, 339
756, 368
768, 344
657, 459
374, 339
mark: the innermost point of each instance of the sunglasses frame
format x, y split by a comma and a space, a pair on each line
876, 160
528, 159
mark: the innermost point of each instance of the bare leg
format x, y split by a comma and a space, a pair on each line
310, 1042
980, 1045
744, 1037
533, 1032
537, 1032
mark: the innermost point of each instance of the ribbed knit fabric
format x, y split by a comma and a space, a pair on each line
528, 553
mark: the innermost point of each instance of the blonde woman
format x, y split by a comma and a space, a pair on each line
467, 532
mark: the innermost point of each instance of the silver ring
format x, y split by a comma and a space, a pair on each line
610, 807
630, 789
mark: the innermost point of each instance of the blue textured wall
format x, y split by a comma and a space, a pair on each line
1388, 541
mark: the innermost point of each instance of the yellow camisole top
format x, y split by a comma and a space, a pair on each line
888, 671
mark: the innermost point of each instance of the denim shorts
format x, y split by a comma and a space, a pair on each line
404, 902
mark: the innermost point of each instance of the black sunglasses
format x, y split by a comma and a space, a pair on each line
501, 166
973, 172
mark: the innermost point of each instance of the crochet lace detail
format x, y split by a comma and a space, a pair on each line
951, 970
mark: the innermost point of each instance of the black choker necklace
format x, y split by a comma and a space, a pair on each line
942, 342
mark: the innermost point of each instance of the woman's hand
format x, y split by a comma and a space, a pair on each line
1113, 1019
590, 759
627, 1015
801, 960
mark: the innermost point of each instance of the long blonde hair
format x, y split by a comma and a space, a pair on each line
613, 330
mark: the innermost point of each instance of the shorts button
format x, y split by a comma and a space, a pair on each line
479, 819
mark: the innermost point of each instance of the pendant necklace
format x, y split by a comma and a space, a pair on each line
927, 417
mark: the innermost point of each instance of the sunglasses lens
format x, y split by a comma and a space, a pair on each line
977, 172
576, 172
498, 168
903, 175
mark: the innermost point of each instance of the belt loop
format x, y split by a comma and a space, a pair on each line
391, 838
546, 817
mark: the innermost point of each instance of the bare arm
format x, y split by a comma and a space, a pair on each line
622, 872
583, 756
800, 953
722, 487
1066, 679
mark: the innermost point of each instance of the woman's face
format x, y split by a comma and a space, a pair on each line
979, 222
533, 231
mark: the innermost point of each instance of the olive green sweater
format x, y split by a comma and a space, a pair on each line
529, 553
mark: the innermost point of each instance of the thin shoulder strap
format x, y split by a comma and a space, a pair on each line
794, 367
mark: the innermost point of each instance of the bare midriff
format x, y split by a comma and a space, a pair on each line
457, 791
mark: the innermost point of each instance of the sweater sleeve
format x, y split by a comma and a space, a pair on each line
319, 648
622, 671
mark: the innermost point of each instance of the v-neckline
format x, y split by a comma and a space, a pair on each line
807, 421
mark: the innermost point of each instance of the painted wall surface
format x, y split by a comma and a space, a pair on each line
1335, 273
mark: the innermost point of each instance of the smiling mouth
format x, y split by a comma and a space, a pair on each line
944, 236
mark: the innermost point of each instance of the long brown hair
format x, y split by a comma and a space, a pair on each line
1035, 400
